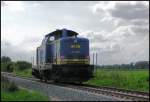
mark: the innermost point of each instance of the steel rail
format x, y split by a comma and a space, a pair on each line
113, 93
141, 93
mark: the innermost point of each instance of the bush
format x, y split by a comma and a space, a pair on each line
8, 67
8, 86
4, 83
5, 59
12, 87
22, 65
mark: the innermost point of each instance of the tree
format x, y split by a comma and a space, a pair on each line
142, 64
9, 67
6, 64
5, 59
22, 65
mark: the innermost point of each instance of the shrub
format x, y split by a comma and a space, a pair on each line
7, 85
5, 59
4, 79
12, 87
22, 65
8, 67
4, 83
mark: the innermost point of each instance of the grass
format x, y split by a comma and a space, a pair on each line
24, 73
120, 78
128, 79
18, 94
22, 95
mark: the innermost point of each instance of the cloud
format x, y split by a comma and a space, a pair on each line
123, 9
141, 31
128, 17
129, 10
15, 52
123, 12
36, 4
128, 41
95, 36
117, 30
15, 6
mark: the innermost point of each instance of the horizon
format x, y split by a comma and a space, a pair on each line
94, 64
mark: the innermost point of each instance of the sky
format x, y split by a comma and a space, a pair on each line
118, 31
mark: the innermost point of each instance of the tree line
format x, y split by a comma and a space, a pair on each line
8, 65
136, 65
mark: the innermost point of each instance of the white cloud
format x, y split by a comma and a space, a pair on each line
15, 6
129, 40
118, 30
15, 51
36, 4
119, 11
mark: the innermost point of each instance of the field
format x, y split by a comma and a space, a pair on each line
128, 79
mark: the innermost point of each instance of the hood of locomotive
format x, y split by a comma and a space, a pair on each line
74, 50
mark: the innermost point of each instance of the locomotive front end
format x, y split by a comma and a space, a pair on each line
75, 60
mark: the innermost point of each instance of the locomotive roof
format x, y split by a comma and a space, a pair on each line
58, 31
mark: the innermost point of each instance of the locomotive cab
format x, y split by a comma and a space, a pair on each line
64, 33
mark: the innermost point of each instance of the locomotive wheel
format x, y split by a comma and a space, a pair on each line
79, 82
56, 81
41, 79
45, 80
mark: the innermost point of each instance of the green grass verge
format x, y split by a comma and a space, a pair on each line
11, 92
128, 79
24, 73
22, 95
121, 78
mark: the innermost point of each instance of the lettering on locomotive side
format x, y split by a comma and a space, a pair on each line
75, 46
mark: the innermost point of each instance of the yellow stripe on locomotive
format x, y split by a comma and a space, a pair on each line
73, 61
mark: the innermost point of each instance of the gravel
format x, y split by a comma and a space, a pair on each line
58, 93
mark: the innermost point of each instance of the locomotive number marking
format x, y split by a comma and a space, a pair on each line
75, 46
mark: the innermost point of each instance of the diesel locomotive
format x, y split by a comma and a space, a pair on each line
63, 57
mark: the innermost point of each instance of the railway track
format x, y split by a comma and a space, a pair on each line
114, 92
124, 94
121, 90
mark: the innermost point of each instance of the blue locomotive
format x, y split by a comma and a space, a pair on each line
63, 57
